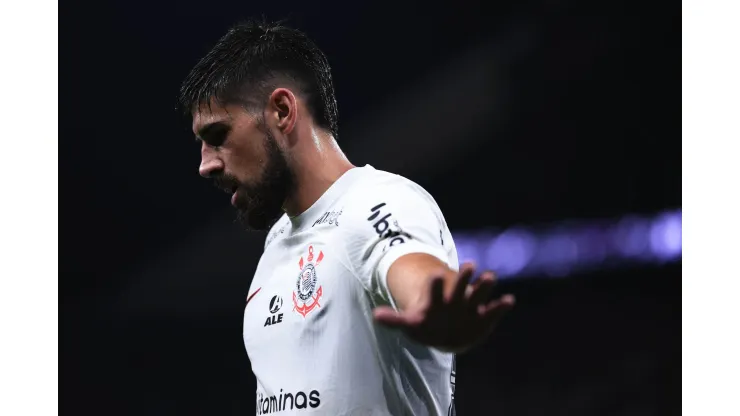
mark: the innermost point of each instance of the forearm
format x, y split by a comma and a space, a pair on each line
410, 275
451, 314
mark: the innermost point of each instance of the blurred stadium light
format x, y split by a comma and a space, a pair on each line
567, 248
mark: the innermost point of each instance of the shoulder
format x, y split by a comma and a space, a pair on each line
386, 197
378, 186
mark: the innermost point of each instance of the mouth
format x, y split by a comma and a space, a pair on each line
229, 187
226, 185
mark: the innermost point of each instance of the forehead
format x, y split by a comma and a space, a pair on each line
207, 114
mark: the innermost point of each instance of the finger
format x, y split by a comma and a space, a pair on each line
475, 283
497, 307
463, 279
391, 318
437, 291
494, 312
482, 289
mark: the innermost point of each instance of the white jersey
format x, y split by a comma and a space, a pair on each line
308, 324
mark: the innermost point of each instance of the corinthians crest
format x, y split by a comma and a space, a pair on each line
306, 295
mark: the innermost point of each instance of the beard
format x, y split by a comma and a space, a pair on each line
260, 203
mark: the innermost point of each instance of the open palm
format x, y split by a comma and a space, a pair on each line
455, 321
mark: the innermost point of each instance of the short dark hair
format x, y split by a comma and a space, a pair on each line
253, 59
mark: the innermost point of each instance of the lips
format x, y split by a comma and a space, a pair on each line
232, 190
233, 198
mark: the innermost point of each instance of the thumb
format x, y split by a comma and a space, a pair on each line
389, 317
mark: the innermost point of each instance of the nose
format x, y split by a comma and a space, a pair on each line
209, 162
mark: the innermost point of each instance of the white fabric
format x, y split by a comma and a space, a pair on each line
308, 327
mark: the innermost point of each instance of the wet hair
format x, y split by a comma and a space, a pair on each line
253, 59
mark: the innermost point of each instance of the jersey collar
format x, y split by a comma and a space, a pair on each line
339, 187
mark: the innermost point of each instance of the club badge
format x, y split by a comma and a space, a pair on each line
306, 295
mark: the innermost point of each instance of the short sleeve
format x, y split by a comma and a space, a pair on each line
386, 223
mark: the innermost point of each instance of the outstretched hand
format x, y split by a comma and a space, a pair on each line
453, 321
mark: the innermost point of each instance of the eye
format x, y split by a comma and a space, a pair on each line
216, 139
215, 135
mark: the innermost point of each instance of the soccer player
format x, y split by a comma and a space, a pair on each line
358, 303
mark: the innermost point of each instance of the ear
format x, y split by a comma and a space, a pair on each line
283, 109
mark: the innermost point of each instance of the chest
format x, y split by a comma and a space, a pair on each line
302, 287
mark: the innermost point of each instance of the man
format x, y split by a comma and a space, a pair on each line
357, 305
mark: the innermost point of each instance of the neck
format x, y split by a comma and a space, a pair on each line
317, 163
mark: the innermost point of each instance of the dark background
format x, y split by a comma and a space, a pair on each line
528, 112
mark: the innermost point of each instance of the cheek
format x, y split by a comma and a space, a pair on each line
245, 162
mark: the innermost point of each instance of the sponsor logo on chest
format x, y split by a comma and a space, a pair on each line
287, 401
276, 303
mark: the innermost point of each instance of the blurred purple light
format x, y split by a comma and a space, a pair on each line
631, 236
557, 254
591, 245
510, 252
569, 247
665, 236
467, 249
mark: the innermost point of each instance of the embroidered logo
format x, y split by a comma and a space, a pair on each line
306, 294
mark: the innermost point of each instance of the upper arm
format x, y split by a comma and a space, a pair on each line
387, 224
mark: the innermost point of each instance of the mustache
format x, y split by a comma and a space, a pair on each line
226, 183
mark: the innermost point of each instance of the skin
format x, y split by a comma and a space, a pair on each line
281, 161
311, 155
440, 307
